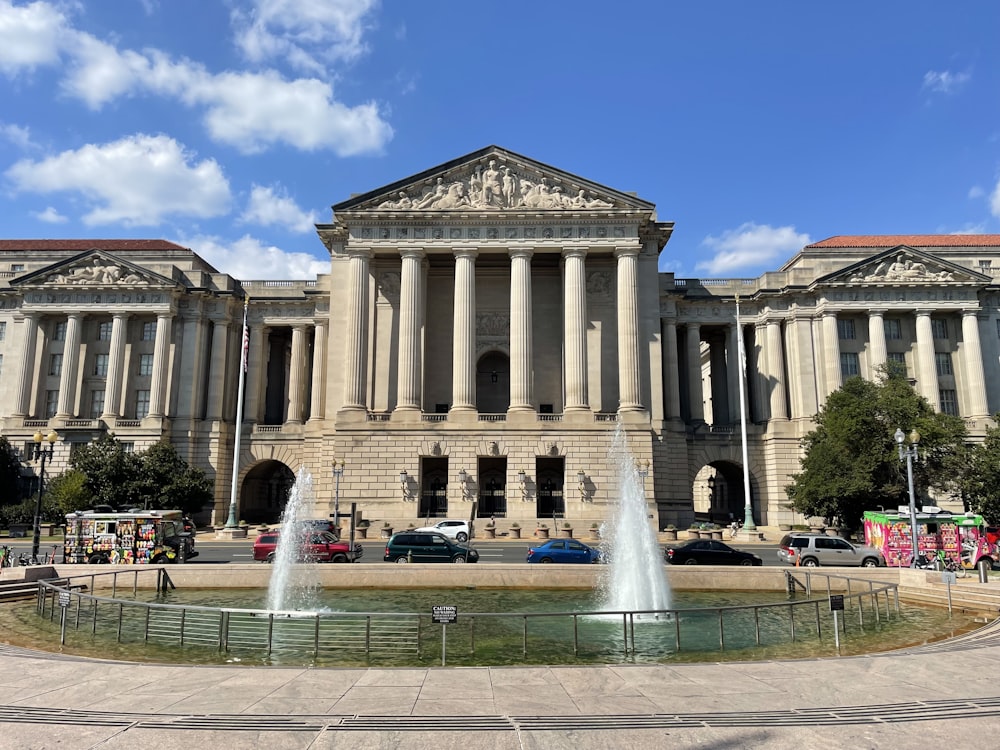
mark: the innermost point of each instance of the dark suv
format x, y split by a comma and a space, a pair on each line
427, 546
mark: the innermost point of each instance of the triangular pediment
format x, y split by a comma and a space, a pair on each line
94, 269
493, 179
903, 265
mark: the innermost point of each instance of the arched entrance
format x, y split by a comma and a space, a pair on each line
265, 492
718, 494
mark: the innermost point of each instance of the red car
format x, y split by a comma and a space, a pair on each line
316, 546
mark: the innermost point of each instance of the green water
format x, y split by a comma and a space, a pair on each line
481, 638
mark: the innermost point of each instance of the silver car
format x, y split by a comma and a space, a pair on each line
811, 550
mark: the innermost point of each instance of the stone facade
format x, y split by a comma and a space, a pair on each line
485, 328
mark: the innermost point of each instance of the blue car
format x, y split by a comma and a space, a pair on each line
563, 551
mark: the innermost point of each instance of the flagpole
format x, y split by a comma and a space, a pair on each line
244, 352
748, 523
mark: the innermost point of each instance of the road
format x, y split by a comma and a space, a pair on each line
211, 550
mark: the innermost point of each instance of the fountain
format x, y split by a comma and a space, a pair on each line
292, 586
635, 578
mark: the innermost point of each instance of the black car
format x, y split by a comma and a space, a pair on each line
709, 552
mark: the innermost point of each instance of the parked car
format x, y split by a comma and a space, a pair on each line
457, 530
316, 546
563, 551
811, 550
320, 524
709, 552
427, 546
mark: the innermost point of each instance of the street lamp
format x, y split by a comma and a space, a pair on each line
404, 484
909, 453
43, 453
711, 495
338, 472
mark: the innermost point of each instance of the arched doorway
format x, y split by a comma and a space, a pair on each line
718, 494
493, 383
265, 492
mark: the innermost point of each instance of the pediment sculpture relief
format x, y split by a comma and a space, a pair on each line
498, 187
903, 267
97, 272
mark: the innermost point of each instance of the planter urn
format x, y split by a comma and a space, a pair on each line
515, 532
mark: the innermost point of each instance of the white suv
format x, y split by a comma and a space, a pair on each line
457, 530
811, 550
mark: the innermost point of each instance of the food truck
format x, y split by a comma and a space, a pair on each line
961, 537
138, 538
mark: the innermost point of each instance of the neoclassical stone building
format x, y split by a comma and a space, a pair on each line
485, 328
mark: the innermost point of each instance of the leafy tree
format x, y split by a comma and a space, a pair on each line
851, 461
981, 488
69, 492
112, 472
10, 473
168, 481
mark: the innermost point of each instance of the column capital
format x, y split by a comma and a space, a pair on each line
627, 250
521, 252
470, 253
574, 252
412, 252
357, 251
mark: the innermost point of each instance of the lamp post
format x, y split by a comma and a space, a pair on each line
909, 453
43, 453
338, 471
711, 495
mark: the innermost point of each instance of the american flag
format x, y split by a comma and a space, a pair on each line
246, 337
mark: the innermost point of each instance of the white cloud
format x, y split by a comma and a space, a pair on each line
20, 137
995, 201
249, 259
50, 216
976, 192
30, 35
136, 181
271, 206
750, 246
945, 82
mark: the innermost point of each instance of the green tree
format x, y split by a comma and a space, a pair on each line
168, 481
69, 492
10, 473
981, 488
112, 472
851, 462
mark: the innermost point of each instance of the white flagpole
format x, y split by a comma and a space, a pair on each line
748, 523
244, 353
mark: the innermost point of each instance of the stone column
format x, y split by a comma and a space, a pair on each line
695, 392
629, 389
71, 360
831, 353
463, 383
575, 330
356, 335
719, 380
217, 385
25, 396
733, 374
671, 374
876, 341
318, 372
521, 363
256, 371
115, 379
776, 370
972, 354
296, 369
409, 389
192, 360
161, 364
926, 366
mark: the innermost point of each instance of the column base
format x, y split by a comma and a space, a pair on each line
406, 415
633, 416
352, 415
463, 415
578, 415
235, 532
522, 415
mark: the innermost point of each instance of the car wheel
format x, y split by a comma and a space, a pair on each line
98, 559
459, 559
810, 562
462, 536
269, 558
402, 560
545, 560
158, 560
746, 563
690, 561
869, 562
339, 558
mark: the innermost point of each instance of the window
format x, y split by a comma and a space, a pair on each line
943, 362
17, 267
55, 364
3, 329
141, 404
51, 403
845, 328
893, 329
101, 365
949, 402
104, 331
898, 357
849, 364
59, 331
145, 364
96, 404
128, 447
149, 331
939, 327
985, 265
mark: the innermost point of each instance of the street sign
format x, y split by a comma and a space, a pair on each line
836, 602
444, 614
63, 598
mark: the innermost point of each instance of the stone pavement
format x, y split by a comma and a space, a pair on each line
943, 694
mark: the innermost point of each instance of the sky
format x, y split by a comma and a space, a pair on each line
232, 126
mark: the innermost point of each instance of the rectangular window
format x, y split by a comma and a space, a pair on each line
939, 327
3, 329
899, 357
893, 329
104, 331
128, 447
141, 404
943, 362
149, 331
949, 402
101, 365
55, 364
849, 364
96, 404
59, 331
145, 364
845, 328
985, 265
17, 267
51, 403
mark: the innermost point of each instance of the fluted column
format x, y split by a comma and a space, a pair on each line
409, 385
463, 381
629, 388
27, 365
161, 365
876, 340
671, 373
115, 380
831, 353
296, 369
972, 354
217, 385
718, 379
256, 371
71, 359
575, 330
926, 366
521, 368
356, 335
189, 397
776, 370
696, 395
318, 372
733, 374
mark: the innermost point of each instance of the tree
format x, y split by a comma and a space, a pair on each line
851, 461
981, 488
10, 473
69, 492
112, 472
168, 481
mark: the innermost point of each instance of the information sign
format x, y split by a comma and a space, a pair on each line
836, 602
445, 614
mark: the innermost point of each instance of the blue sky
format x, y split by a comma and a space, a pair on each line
232, 126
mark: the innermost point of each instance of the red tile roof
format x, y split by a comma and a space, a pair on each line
913, 240
81, 245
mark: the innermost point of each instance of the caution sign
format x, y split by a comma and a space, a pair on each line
836, 602
444, 614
